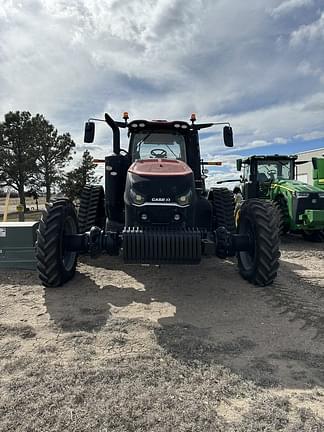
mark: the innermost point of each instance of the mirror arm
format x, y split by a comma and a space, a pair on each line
95, 119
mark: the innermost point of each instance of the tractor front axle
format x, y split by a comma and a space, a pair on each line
159, 245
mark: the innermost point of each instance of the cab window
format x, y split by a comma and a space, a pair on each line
274, 170
149, 145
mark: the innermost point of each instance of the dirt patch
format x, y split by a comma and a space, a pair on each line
137, 348
23, 331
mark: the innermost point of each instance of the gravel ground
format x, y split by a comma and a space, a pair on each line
171, 348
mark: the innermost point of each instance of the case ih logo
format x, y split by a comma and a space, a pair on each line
161, 199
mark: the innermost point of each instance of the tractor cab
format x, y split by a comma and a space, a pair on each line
159, 179
260, 172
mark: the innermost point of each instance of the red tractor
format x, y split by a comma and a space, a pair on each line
155, 209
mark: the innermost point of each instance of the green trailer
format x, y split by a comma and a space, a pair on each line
273, 177
318, 172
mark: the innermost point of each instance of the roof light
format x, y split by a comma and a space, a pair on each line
134, 125
141, 125
184, 126
177, 125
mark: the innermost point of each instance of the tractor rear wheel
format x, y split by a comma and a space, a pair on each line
222, 201
258, 220
92, 208
55, 265
316, 236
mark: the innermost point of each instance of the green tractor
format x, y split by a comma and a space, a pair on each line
273, 177
318, 172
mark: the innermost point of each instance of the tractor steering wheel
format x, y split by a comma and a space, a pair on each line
159, 153
272, 174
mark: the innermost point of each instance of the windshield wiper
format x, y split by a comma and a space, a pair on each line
171, 151
138, 145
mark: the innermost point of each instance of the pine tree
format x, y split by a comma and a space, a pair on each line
76, 179
53, 153
17, 152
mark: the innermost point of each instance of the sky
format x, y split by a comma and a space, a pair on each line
258, 64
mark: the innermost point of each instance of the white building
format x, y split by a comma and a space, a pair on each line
305, 171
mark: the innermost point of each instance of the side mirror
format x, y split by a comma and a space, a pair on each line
228, 136
238, 164
89, 132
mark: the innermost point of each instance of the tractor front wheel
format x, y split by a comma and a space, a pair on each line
258, 220
55, 264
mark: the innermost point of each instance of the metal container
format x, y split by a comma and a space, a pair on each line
17, 245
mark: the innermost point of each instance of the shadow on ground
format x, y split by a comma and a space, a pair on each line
206, 313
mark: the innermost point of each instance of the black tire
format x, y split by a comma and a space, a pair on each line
222, 201
257, 219
56, 266
282, 204
92, 208
316, 236
279, 217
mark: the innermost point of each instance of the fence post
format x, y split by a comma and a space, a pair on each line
21, 214
6, 206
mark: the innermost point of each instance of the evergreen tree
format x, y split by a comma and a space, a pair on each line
32, 153
53, 153
17, 152
76, 179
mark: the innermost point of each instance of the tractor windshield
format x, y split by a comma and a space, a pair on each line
163, 145
272, 170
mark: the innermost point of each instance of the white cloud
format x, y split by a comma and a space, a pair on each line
225, 60
288, 6
313, 32
308, 136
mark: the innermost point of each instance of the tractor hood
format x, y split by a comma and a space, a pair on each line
159, 181
295, 186
159, 167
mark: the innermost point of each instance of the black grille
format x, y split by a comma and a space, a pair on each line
158, 246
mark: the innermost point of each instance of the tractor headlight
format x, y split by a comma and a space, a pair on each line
136, 197
184, 199
302, 194
321, 195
